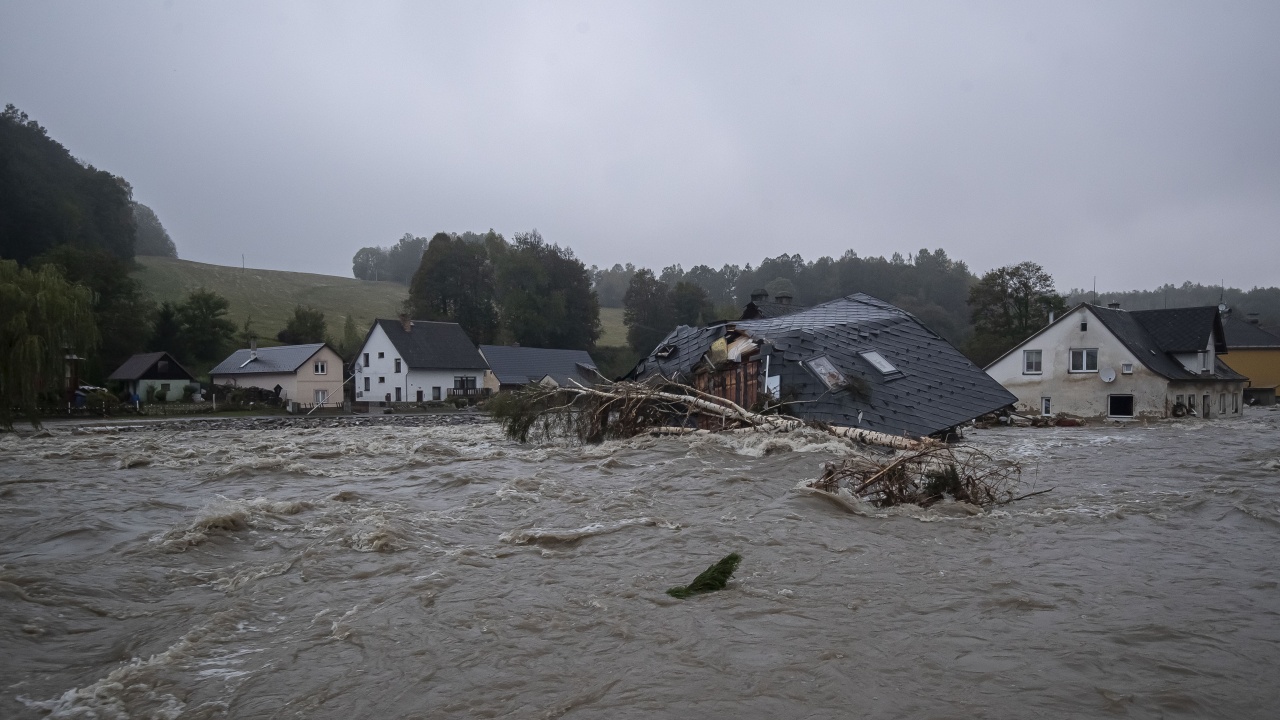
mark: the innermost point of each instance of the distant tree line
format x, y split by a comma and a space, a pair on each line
525, 291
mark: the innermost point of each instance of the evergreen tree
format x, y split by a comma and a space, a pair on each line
166, 332
648, 312
306, 326
206, 331
1009, 304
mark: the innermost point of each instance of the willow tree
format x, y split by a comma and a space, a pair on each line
43, 318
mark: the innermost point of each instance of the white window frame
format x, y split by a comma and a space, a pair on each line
382, 380
321, 367
1084, 360
826, 371
1235, 402
1026, 362
321, 396
1222, 403
397, 370
1126, 368
879, 362
1046, 406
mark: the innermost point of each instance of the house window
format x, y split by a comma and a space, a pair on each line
1084, 325
381, 355
1222, 403
397, 394
826, 372
1126, 368
464, 382
322, 367
366, 360
381, 379
1031, 362
164, 387
1046, 406
878, 362
1084, 360
321, 397
435, 393
1235, 402
366, 383
1204, 404
1120, 405
1191, 403
1204, 361
397, 364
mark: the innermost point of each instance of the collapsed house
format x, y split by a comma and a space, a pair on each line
854, 362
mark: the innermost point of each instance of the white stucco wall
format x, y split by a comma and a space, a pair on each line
383, 378
1080, 394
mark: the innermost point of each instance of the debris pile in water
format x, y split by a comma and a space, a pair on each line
922, 472
923, 477
710, 580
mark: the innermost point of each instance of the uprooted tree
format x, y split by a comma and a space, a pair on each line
923, 472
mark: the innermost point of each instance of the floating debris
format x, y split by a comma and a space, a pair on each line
710, 580
923, 477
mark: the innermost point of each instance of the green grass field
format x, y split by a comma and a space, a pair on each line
269, 296
615, 333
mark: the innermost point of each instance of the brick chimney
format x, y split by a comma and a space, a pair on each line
783, 298
1113, 305
758, 295
253, 346
406, 323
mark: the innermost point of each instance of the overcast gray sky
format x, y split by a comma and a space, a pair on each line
1135, 141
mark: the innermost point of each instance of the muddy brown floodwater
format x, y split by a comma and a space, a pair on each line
443, 571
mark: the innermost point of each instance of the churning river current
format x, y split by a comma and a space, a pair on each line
378, 571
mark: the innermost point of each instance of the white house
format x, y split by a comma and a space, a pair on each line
309, 374
418, 360
1097, 362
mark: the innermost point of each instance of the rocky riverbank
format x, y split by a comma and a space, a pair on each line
210, 424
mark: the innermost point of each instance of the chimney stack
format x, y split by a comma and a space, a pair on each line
783, 298
253, 346
406, 323
758, 295
1113, 305
1251, 318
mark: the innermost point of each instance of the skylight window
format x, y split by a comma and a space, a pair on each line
827, 373
878, 362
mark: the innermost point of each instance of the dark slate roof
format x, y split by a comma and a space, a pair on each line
281, 359
1181, 330
138, 365
1151, 335
1243, 334
935, 386
524, 365
431, 345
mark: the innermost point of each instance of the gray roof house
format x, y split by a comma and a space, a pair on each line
307, 374
856, 361
158, 370
514, 366
418, 361
1109, 363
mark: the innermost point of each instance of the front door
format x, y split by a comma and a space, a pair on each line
397, 394
419, 394
1205, 406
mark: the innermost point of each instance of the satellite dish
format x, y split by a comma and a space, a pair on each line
1107, 374
357, 368
1222, 308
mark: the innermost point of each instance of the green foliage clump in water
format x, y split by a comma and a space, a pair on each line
709, 580
944, 481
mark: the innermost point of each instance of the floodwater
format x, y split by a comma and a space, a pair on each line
378, 572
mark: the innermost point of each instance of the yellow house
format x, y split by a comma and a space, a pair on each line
1254, 353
